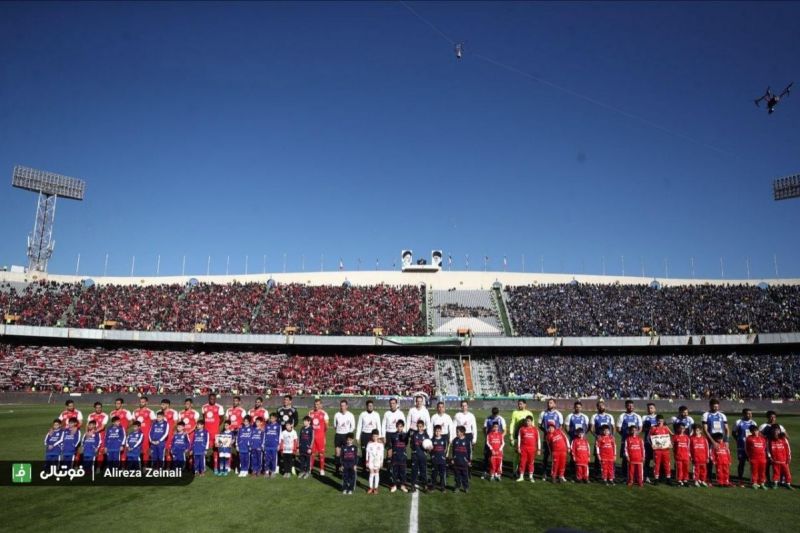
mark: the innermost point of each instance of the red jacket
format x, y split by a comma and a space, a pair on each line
634, 449
699, 447
580, 451
779, 451
529, 438
681, 444
558, 441
606, 448
721, 454
495, 441
756, 447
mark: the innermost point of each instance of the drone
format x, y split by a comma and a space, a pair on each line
772, 98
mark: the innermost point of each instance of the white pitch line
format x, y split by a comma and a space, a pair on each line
413, 517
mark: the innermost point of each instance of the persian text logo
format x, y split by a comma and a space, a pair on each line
21, 473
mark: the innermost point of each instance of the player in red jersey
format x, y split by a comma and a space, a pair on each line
721, 457
529, 445
681, 445
319, 423
258, 410
145, 416
558, 442
70, 412
171, 417
634, 453
213, 414
607, 452
235, 415
660, 435
125, 416
699, 447
580, 456
100, 420
189, 416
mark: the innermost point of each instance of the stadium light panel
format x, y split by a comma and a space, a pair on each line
48, 183
788, 187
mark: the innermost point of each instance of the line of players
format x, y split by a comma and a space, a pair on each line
253, 441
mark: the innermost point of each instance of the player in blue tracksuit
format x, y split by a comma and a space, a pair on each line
72, 441
200, 445
272, 437
53, 442
439, 458
306, 444
159, 433
114, 442
398, 444
462, 458
349, 456
133, 447
243, 445
90, 446
256, 445
648, 422
419, 461
181, 443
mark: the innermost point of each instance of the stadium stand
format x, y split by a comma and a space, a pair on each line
617, 310
451, 376
56, 369
730, 376
220, 308
470, 309
485, 377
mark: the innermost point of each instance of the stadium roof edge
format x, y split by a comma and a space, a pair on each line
468, 280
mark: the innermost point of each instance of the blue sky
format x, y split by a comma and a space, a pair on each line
349, 130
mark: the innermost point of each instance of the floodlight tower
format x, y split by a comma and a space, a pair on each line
49, 186
785, 188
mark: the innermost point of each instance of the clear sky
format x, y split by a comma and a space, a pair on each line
350, 130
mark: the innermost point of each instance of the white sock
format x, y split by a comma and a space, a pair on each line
372, 480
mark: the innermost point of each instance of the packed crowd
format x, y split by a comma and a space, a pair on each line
56, 369
578, 309
220, 308
330, 310
729, 376
41, 303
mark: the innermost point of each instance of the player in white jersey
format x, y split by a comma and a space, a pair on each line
343, 423
440, 418
419, 412
467, 419
368, 421
374, 455
390, 418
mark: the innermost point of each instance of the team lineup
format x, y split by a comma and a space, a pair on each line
255, 442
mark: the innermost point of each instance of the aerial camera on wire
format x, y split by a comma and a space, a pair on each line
773, 99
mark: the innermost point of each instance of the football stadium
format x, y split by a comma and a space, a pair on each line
143, 385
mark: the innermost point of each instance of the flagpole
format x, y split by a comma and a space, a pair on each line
183, 266
158, 265
78, 264
105, 266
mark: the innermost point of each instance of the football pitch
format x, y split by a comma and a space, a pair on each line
317, 505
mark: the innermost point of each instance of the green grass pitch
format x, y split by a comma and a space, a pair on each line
316, 505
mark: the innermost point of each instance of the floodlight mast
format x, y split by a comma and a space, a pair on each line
785, 188
49, 187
